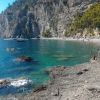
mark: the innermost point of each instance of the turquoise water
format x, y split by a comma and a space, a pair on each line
47, 54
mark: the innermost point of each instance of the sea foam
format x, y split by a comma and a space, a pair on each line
19, 83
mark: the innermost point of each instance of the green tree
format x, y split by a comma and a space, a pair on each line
90, 19
47, 33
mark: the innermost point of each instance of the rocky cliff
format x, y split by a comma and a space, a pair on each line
33, 18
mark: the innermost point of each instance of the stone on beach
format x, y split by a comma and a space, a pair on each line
94, 88
40, 88
82, 72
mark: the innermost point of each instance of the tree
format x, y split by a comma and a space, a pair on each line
90, 19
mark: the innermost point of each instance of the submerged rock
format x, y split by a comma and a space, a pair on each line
10, 49
48, 71
24, 59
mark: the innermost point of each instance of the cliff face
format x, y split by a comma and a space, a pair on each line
31, 18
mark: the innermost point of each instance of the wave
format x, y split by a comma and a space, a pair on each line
15, 82
20, 82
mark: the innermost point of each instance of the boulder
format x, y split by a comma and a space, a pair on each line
24, 59
3, 83
40, 88
80, 73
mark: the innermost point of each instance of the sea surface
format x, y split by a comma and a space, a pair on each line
45, 53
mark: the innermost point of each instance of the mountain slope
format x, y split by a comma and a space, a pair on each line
33, 18
89, 20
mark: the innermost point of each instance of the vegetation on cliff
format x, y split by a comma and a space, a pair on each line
47, 33
33, 18
89, 20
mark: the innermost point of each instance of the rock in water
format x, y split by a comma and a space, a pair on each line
3, 83
24, 59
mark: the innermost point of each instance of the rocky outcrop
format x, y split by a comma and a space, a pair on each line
4, 83
31, 18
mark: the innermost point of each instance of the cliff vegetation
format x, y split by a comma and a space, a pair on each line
89, 20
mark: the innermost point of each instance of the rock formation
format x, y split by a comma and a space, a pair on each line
31, 18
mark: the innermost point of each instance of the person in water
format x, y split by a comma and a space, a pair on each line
93, 59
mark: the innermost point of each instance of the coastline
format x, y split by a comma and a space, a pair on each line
75, 81
81, 82
74, 39
94, 40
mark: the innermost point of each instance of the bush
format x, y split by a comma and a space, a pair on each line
47, 33
90, 19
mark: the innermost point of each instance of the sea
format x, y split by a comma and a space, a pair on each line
45, 54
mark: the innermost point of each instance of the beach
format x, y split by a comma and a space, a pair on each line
50, 50
81, 82
95, 40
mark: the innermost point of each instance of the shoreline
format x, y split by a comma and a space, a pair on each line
67, 83
95, 40
81, 82
74, 39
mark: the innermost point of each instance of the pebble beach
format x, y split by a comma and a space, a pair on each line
81, 82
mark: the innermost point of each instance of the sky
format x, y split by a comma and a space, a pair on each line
4, 4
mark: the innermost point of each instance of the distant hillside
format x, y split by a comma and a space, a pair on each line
90, 20
36, 18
